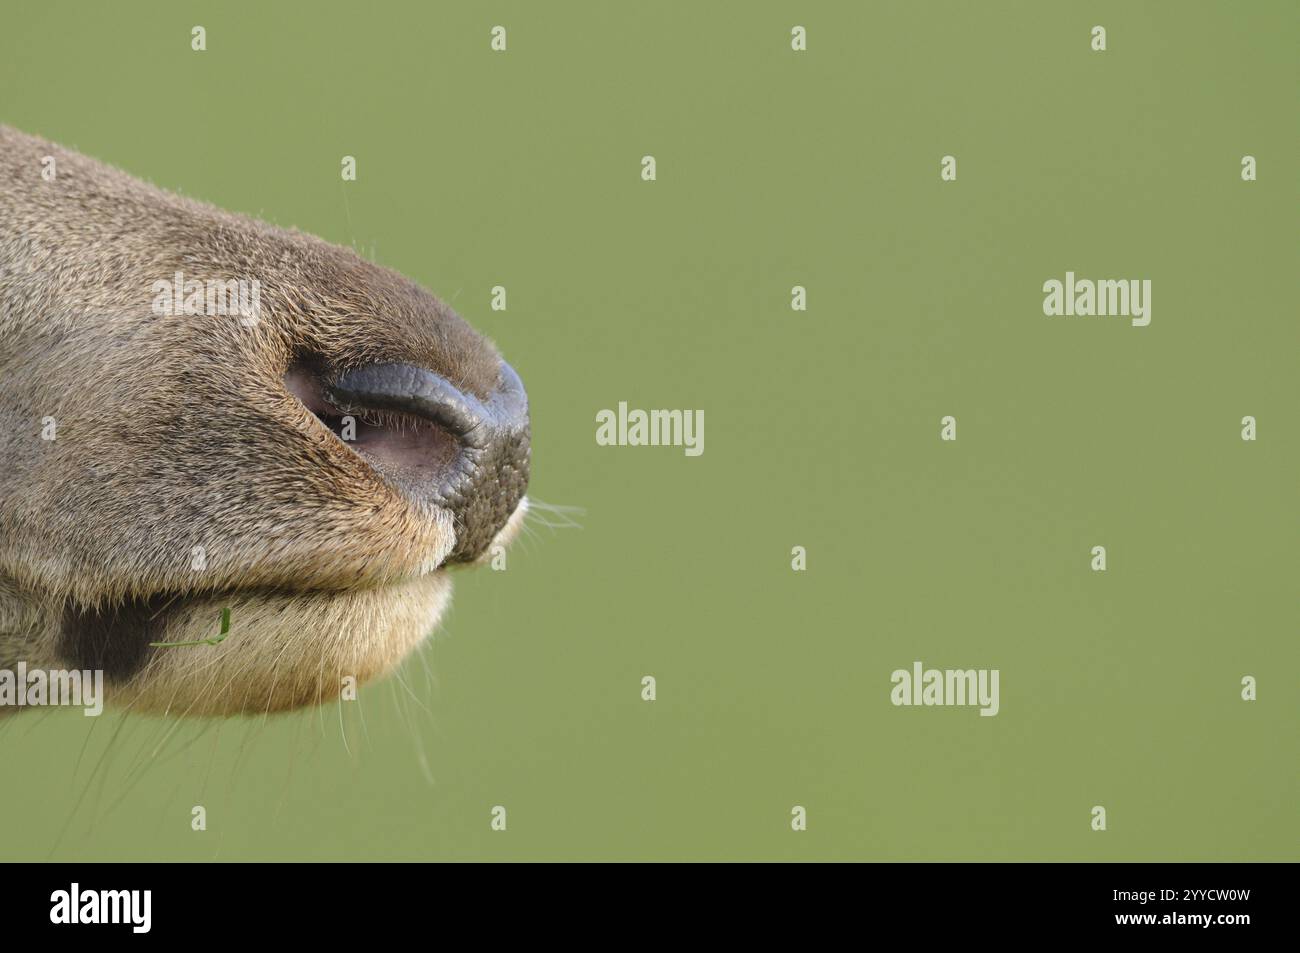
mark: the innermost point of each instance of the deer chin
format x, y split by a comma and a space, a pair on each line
282, 650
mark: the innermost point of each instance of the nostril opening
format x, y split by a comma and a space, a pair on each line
437, 442
416, 453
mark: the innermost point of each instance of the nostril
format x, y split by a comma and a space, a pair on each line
410, 390
418, 391
436, 441
410, 451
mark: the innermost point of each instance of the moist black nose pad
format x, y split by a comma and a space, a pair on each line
491, 474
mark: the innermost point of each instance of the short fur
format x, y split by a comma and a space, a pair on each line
176, 432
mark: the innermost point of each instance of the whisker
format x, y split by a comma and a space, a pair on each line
553, 515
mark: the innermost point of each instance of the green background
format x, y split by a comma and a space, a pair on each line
822, 428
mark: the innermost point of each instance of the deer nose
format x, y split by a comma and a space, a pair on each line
487, 475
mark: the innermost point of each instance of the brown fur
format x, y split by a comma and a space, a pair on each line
177, 431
